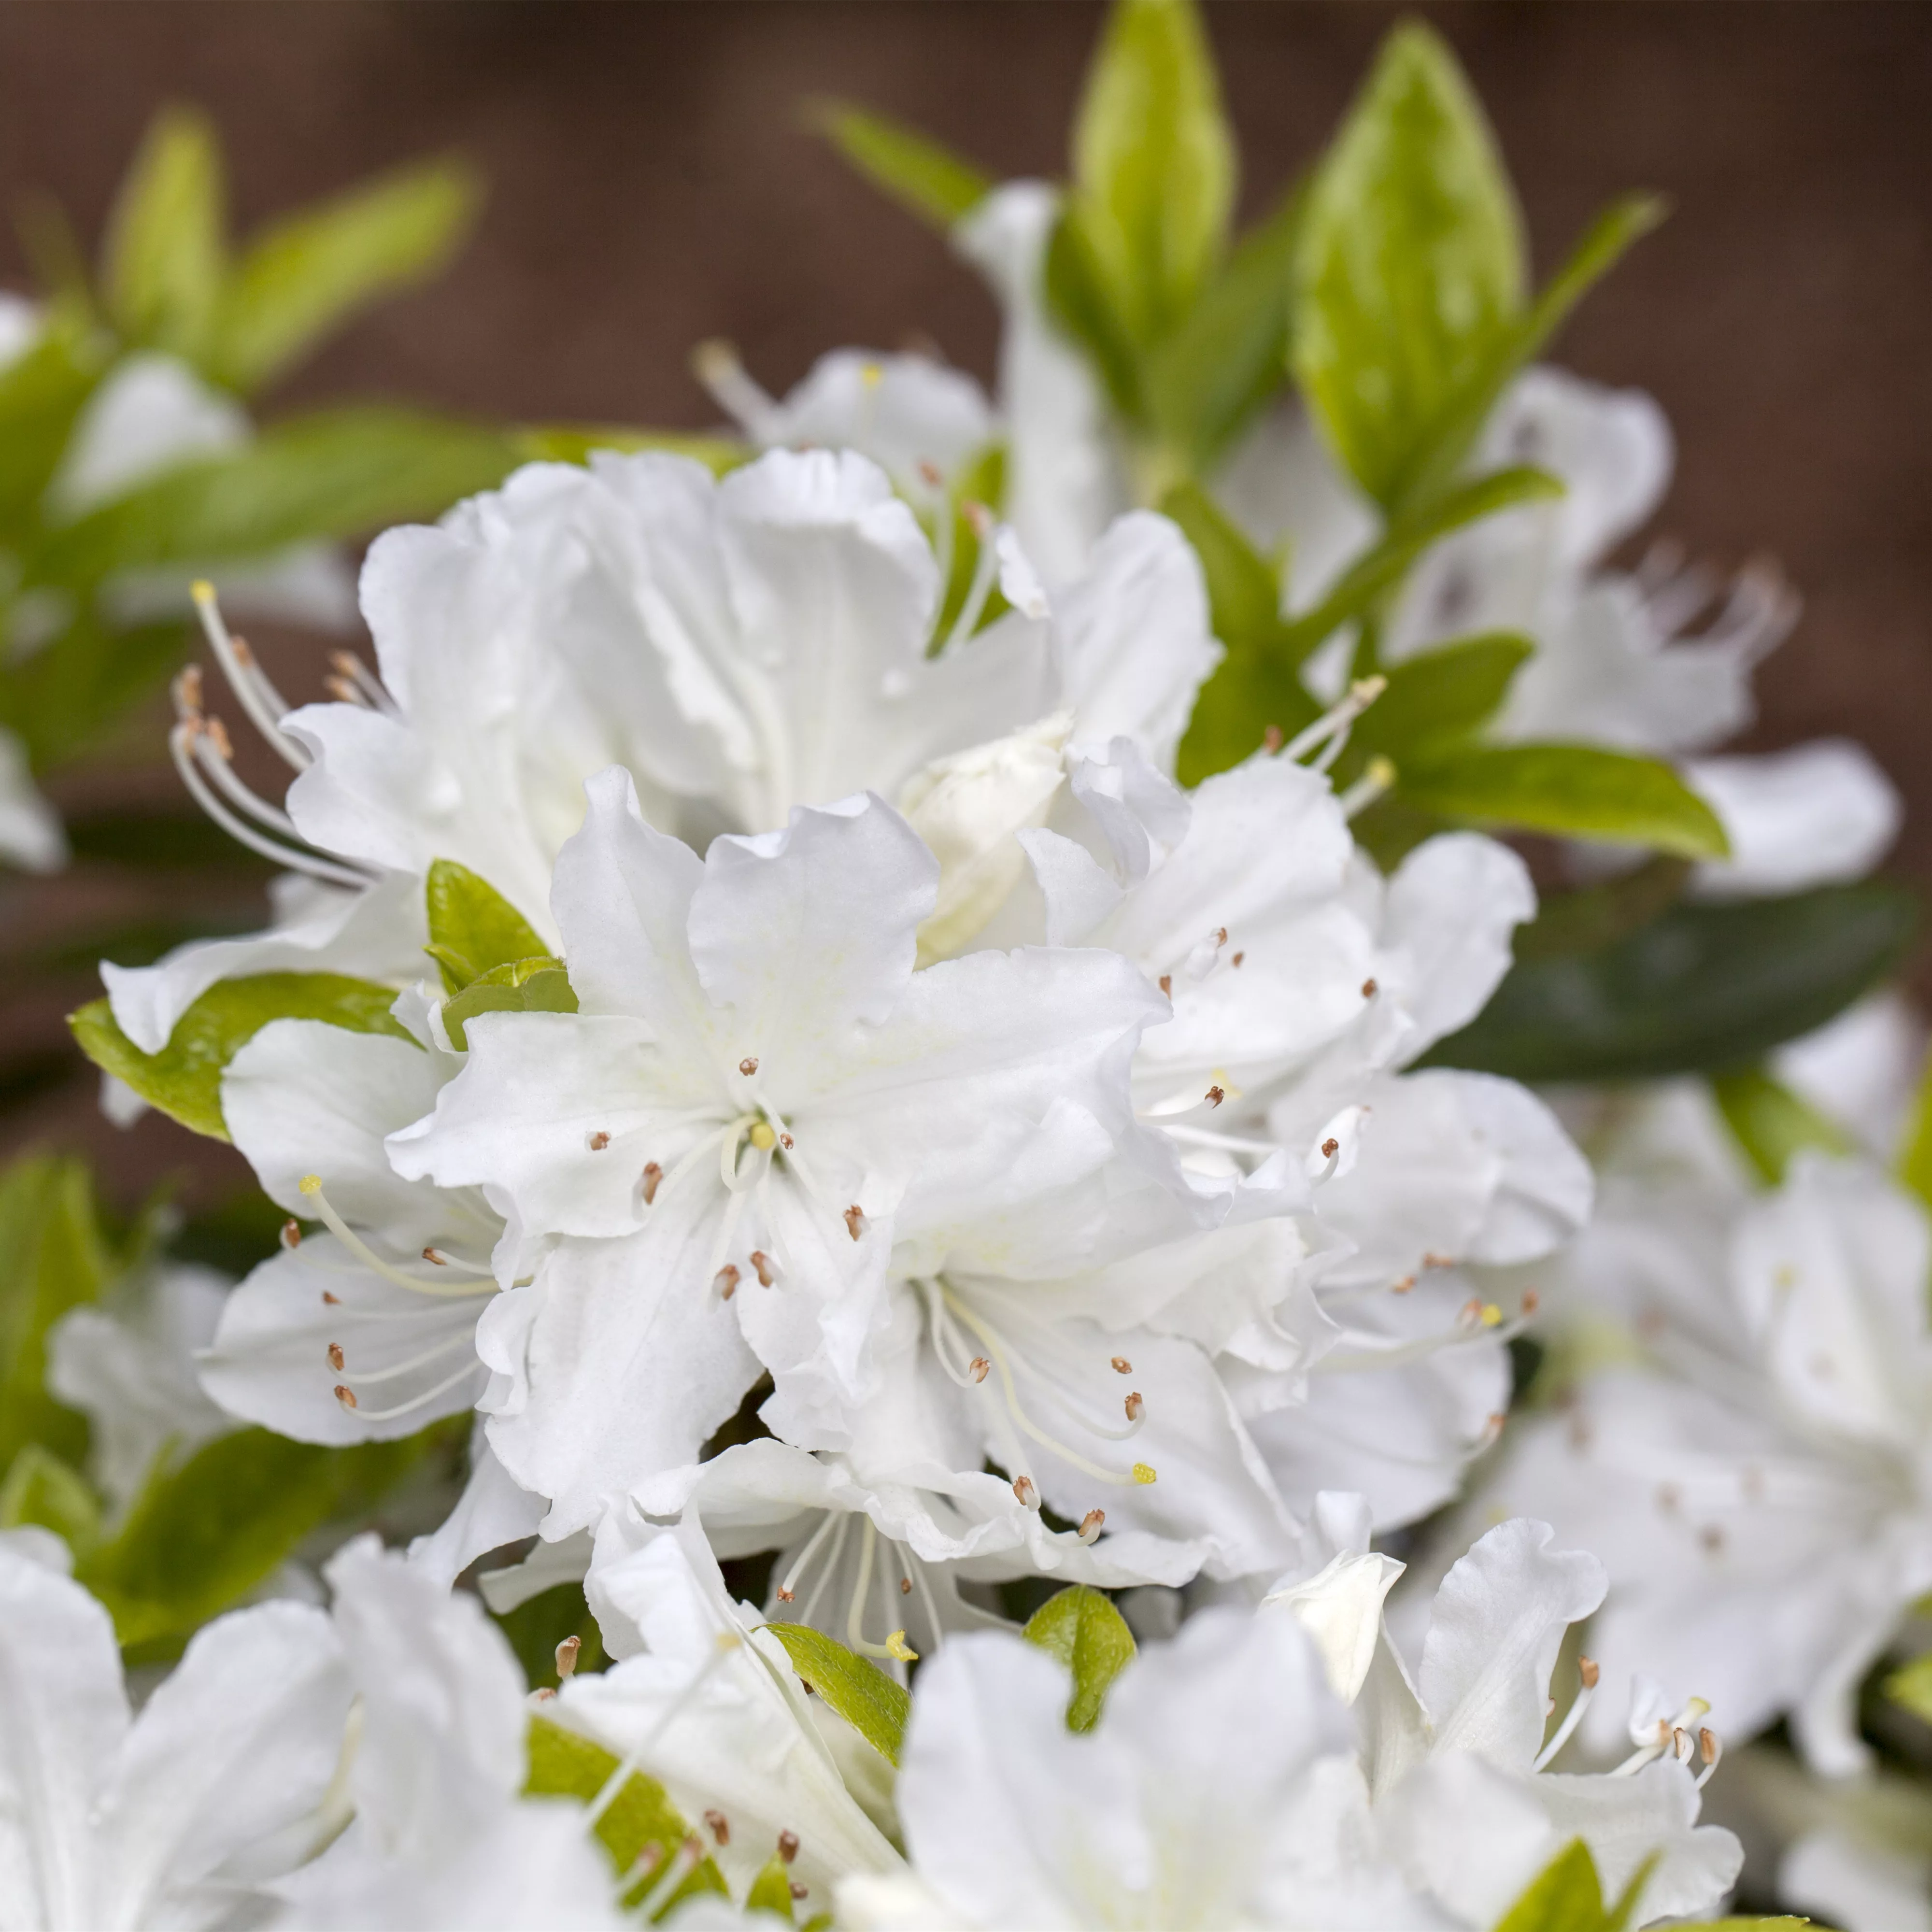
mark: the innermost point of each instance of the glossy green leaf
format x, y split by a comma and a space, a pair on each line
206, 1530
1439, 696
183, 1079
1412, 261
911, 168
575, 442
539, 1623
857, 1689
1081, 1628
335, 473
1154, 164
1771, 1123
54, 1256
471, 926
1701, 989
534, 985
163, 265
562, 1764
1573, 791
309, 272
42, 1489
1592, 917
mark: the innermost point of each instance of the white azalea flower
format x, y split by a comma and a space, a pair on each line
30, 828
1755, 1478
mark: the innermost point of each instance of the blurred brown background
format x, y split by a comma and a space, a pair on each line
650, 185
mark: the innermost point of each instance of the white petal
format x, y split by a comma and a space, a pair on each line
1468, 1834
1849, 1881
30, 828
1815, 815
492, 1511
151, 412
1341, 1608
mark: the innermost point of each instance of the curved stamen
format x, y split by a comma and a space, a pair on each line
264, 704
788, 1589
214, 755
986, 569
311, 1185
1332, 728
844, 1523
1587, 1669
429, 1395
179, 740
895, 1646
361, 1379
1376, 779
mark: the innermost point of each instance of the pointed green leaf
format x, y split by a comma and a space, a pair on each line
1594, 917
1910, 1687
1701, 989
857, 1689
771, 1890
574, 442
1081, 1628
1412, 261
471, 926
1573, 791
1438, 696
163, 267
537, 985
42, 393
1771, 1123
1564, 1897
311, 271
1078, 300
42, 1489
183, 1079
911, 168
1153, 165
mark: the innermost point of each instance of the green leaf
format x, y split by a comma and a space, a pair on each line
539, 1623
159, 840
205, 1532
563, 1765
1771, 1123
183, 1079
471, 926
1910, 1687
1701, 989
771, 1890
309, 272
1153, 165
63, 697
907, 166
1573, 791
982, 479
535, 985
163, 268
1207, 379
1412, 261
1081, 1628
42, 1489
573, 442
42, 393
54, 1256
857, 1689
335, 473
1440, 696
1078, 300
1564, 1897
1594, 917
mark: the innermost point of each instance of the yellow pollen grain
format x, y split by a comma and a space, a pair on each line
764, 1136
897, 1646
1492, 1315
1143, 1473
310, 1183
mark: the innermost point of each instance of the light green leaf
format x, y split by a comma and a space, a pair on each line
1574, 791
1081, 1628
1700, 989
534, 985
335, 473
564, 1765
908, 167
1771, 1123
61, 697
1440, 696
858, 1690
53, 1256
42, 1489
163, 267
1153, 165
309, 272
1412, 261
771, 1890
1915, 1160
1564, 1897
42, 392
1910, 1687
183, 1079
471, 926
573, 442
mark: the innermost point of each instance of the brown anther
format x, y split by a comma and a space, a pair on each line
1122, 1366
335, 1356
1402, 1286
720, 1826
725, 1281
599, 1140
785, 1141
1589, 1670
1090, 1524
1472, 1310
979, 517
653, 1174
1237, 959
243, 654
1432, 1259
1712, 1538
1532, 1301
1220, 936
747, 1066
761, 1266
1167, 984
786, 1596
1023, 1488
1271, 740
291, 1234
787, 1846
216, 733
1135, 1406
1668, 1498
798, 1891
346, 662
928, 474
332, 1301
345, 1395
855, 1220
905, 1586
1707, 1746
1331, 1147
1214, 1096
342, 690
566, 1655
189, 686
977, 1367
1368, 989
545, 1696
430, 1254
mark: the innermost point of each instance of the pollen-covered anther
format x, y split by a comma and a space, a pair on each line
748, 1066
1237, 959
331, 1299
1272, 740
798, 1891
440, 1260
1589, 1670
1331, 1147
905, 1586
928, 473
762, 1265
720, 1826
566, 1657
978, 1367
1532, 1301
786, 1596
335, 1356
1122, 1366
1469, 1314
1167, 984
1402, 1286
1215, 1095
653, 1177
764, 1136
855, 1220
725, 1281
785, 1141
1144, 1474
1135, 1407
599, 1140
1091, 1524
345, 1395
1368, 989
788, 1845
292, 1234
896, 1646
1023, 1488
1432, 1259
979, 519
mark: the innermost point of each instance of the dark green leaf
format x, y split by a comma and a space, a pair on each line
309, 272
232, 1235
183, 1079
1771, 1123
858, 1691
1440, 696
149, 841
539, 1623
1412, 261
1703, 989
1081, 1628
909, 167
573, 442
535, 985
42, 1489
1594, 917
471, 926
1573, 791
164, 267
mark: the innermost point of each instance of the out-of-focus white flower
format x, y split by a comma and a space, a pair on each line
30, 828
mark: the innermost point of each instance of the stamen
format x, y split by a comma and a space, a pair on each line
180, 747
349, 665
747, 1066
1090, 1525
291, 1234
716, 365
311, 1185
1167, 984
855, 1221
1711, 1749
566, 1657
653, 1174
1122, 1366
977, 1368
788, 1589
428, 1396
1029, 1496
1379, 776
720, 1826
335, 1356
1331, 728
214, 753
1369, 989
690, 1856
346, 1396
264, 704
1271, 740
599, 1140
788, 1845
725, 1281
895, 1645
985, 572
1587, 1671
762, 1265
